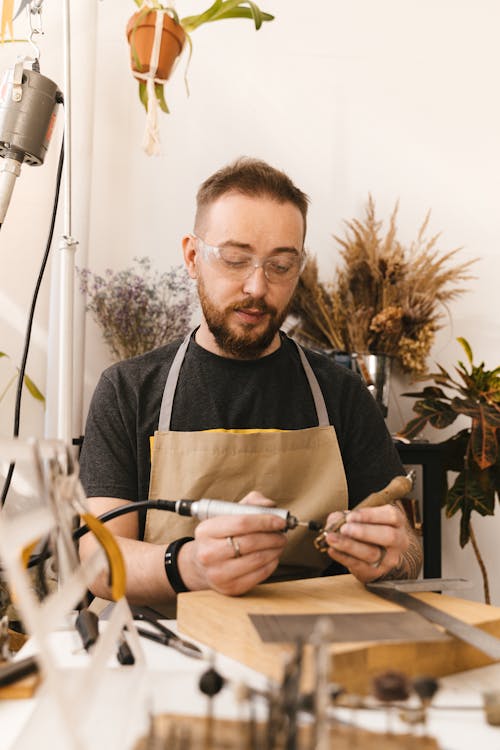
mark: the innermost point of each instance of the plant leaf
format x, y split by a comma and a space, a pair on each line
466, 347
455, 451
228, 9
143, 94
438, 414
413, 428
465, 528
471, 490
430, 391
160, 97
484, 443
33, 389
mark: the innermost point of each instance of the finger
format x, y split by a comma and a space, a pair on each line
234, 525
214, 551
387, 515
240, 574
252, 543
368, 554
386, 536
369, 567
257, 498
334, 518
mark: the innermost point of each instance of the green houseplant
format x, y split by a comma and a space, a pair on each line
174, 34
473, 453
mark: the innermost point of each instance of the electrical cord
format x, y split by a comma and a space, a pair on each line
129, 508
27, 338
121, 510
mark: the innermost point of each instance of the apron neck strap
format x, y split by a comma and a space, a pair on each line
167, 401
173, 376
319, 399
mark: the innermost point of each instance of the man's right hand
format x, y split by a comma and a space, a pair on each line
233, 567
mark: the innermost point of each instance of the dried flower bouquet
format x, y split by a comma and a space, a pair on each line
139, 309
385, 298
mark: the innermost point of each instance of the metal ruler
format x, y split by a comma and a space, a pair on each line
398, 593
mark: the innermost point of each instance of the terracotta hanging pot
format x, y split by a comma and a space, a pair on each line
140, 36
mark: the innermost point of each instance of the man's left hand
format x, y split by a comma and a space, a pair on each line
375, 543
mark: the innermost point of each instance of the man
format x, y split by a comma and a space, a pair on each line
240, 413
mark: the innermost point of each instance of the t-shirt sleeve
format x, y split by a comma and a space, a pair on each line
108, 460
370, 457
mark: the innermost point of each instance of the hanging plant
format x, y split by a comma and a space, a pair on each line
157, 36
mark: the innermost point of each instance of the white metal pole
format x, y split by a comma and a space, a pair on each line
84, 43
76, 195
66, 259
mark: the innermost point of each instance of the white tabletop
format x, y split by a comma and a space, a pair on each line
171, 685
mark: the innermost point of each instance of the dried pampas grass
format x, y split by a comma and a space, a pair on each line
385, 298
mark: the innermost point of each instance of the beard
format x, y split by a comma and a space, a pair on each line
244, 342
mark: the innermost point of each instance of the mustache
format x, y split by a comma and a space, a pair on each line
254, 304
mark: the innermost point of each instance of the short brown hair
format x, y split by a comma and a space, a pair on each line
251, 177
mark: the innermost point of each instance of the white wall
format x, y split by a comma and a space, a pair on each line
393, 97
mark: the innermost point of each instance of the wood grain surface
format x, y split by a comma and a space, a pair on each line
223, 623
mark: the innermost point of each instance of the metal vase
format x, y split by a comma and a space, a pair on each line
375, 369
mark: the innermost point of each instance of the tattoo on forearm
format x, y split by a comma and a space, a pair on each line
410, 561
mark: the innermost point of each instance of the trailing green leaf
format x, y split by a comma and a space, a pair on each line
466, 347
160, 97
35, 392
30, 385
228, 9
143, 94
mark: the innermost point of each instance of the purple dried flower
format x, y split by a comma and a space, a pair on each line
139, 309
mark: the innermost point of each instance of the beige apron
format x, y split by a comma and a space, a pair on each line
300, 470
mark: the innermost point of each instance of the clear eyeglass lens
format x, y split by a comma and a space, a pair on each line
282, 267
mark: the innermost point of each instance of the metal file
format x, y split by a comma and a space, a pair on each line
398, 593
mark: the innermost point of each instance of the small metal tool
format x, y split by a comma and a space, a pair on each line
397, 592
167, 637
204, 508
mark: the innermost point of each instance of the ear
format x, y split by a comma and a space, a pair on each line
190, 254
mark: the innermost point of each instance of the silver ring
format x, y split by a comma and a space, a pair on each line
234, 544
383, 552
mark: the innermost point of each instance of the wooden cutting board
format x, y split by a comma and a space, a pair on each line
222, 623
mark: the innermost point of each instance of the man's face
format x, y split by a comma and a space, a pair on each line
241, 317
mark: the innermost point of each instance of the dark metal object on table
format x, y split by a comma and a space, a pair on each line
167, 637
397, 592
430, 457
15, 670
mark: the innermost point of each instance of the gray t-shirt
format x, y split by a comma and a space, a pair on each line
216, 392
